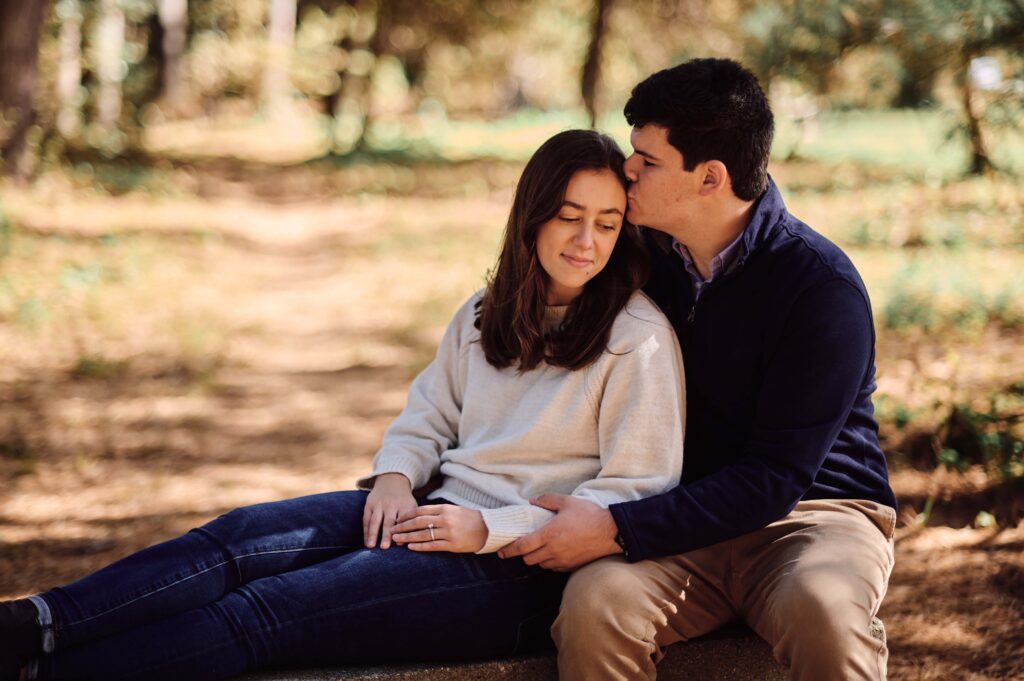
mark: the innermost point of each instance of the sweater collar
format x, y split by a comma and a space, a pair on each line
553, 316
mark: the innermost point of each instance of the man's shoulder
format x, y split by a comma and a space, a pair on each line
807, 256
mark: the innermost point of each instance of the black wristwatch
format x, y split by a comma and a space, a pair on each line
622, 544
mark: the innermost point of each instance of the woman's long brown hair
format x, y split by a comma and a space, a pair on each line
511, 313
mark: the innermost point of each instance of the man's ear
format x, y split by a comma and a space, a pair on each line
716, 178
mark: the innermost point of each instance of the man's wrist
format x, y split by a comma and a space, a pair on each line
615, 534
621, 542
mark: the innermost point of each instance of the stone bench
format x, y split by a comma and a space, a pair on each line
732, 654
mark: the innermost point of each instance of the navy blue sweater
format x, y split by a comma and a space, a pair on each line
779, 357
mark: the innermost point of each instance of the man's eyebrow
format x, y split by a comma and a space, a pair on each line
577, 206
647, 155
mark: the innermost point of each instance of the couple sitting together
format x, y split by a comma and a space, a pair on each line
554, 416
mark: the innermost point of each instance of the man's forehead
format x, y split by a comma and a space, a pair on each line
650, 139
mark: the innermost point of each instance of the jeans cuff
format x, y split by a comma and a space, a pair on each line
45, 620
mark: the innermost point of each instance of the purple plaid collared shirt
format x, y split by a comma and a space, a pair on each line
728, 258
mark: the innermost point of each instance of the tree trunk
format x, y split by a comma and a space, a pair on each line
173, 19
109, 68
378, 45
592, 66
980, 163
69, 71
280, 35
353, 103
21, 22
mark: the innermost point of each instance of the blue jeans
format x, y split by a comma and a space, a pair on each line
290, 583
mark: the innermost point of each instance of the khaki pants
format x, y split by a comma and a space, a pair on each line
809, 584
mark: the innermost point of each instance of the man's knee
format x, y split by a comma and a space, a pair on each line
605, 597
606, 626
822, 625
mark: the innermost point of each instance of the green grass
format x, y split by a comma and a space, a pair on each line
917, 142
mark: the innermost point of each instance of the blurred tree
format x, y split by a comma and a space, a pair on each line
406, 31
173, 22
110, 67
363, 45
592, 65
805, 39
950, 34
20, 25
69, 68
280, 36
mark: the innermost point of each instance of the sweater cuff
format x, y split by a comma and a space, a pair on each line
394, 465
504, 526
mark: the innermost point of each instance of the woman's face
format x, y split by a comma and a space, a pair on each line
574, 246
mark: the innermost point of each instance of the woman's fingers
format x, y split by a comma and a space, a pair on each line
420, 529
417, 536
417, 523
439, 545
372, 526
389, 522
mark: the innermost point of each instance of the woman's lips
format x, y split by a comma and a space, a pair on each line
577, 262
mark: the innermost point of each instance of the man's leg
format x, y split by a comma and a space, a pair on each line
616, 616
812, 582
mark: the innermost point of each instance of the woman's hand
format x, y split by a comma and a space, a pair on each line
390, 499
442, 527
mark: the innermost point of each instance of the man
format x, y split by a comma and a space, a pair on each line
784, 516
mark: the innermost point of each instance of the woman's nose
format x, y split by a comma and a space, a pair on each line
584, 237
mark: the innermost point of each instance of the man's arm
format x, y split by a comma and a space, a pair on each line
811, 381
812, 378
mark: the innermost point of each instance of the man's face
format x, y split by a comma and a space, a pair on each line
662, 195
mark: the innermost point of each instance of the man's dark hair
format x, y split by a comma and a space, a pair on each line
713, 109
510, 316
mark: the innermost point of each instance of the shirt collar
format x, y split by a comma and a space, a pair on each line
724, 262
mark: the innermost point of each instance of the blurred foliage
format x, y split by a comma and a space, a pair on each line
374, 66
5, 233
989, 432
895, 53
935, 299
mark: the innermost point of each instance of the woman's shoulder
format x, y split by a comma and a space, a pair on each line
469, 307
640, 321
463, 322
641, 313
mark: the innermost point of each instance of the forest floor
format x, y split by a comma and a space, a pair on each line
167, 359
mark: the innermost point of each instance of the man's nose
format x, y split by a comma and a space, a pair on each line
629, 168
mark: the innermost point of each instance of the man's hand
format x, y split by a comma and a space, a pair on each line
390, 499
581, 532
442, 527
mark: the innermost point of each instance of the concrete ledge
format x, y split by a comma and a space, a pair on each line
733, 654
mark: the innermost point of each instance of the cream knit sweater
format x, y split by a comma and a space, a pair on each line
610, 432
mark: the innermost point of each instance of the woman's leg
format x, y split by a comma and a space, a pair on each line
202, 566
365, 606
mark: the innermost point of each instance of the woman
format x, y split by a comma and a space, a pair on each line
560, 377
